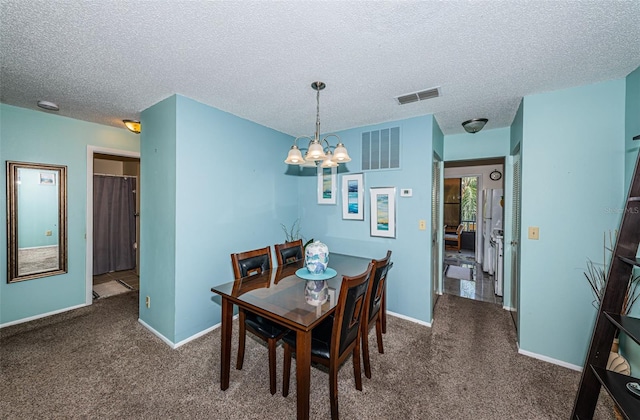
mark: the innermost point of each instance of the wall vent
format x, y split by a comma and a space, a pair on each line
418, 96
381, 149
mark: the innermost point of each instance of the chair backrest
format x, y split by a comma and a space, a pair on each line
377, 283
251, 262
459, 230
289, 251
349, 311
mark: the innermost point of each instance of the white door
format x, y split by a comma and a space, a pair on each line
437, 230
515, 240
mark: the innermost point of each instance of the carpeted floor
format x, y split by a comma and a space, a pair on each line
99, 362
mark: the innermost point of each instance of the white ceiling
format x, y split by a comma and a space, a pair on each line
104, 61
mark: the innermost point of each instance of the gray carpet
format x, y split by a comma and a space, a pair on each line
99, 362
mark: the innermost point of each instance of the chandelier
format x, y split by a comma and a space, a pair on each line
316, 150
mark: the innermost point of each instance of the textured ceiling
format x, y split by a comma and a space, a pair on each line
104, 61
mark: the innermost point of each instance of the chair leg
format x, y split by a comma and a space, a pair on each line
333, 389
272, 365
286, 370
379, 334
242, 334
357, 373
365, 353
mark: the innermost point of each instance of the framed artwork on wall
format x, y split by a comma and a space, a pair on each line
383, 211
353, 197
327, 185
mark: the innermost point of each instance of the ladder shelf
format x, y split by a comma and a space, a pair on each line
609, 321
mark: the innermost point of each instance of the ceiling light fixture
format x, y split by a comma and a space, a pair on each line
474, 125
132, 125
49, 106
315, 150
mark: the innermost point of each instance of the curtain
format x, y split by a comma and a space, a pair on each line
114, 229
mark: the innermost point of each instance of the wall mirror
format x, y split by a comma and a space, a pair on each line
36, 217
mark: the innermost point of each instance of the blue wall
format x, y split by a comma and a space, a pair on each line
227, 190
409, 288
483, 144
158, 216
35, 136
572, 185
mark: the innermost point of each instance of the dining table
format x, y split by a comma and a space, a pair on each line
279, 295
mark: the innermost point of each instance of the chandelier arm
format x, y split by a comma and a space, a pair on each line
295, 142
332, 135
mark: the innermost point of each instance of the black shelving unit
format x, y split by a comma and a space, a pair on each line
609, 320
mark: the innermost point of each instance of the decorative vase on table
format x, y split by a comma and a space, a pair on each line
316, 259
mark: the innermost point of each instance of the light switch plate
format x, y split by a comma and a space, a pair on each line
534, 233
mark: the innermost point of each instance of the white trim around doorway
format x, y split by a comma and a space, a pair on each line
91, 151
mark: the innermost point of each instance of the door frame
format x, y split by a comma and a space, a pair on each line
91, 151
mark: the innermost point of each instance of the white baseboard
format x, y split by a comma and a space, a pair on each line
550, 360
197, 335
509, 308
32, 318
186, 340
417, 321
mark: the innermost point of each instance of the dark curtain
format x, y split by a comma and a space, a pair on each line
114, 228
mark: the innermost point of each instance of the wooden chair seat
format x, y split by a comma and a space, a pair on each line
454, 237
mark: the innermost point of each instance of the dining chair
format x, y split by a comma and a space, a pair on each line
337, 337
289, 251
246, 264
376, 296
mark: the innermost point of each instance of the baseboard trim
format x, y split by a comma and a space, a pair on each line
550, 360
197, 335
33, 318
157, 334
509, 308
186, 340
407, 318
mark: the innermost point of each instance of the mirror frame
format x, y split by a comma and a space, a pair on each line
12, 220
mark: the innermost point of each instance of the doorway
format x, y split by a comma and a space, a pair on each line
465, 274
118, 166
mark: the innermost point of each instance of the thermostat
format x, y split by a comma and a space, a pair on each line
406, 192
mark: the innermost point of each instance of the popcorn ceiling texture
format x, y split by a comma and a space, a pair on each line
107, 61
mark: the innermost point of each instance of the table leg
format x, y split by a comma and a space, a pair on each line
303, 372
225, 343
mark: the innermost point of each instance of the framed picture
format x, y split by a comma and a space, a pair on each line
327, 185
353, 197
383, 211
47, 178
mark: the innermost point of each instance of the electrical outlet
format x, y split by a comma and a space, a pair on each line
422, 225
534, 233
147, 302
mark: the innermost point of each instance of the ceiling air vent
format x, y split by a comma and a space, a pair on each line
418, 96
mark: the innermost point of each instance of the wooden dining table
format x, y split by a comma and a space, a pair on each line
278, 294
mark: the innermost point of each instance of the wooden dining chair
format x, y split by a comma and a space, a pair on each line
246, 264
374, 312
454, 237
289, 251
337, 337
